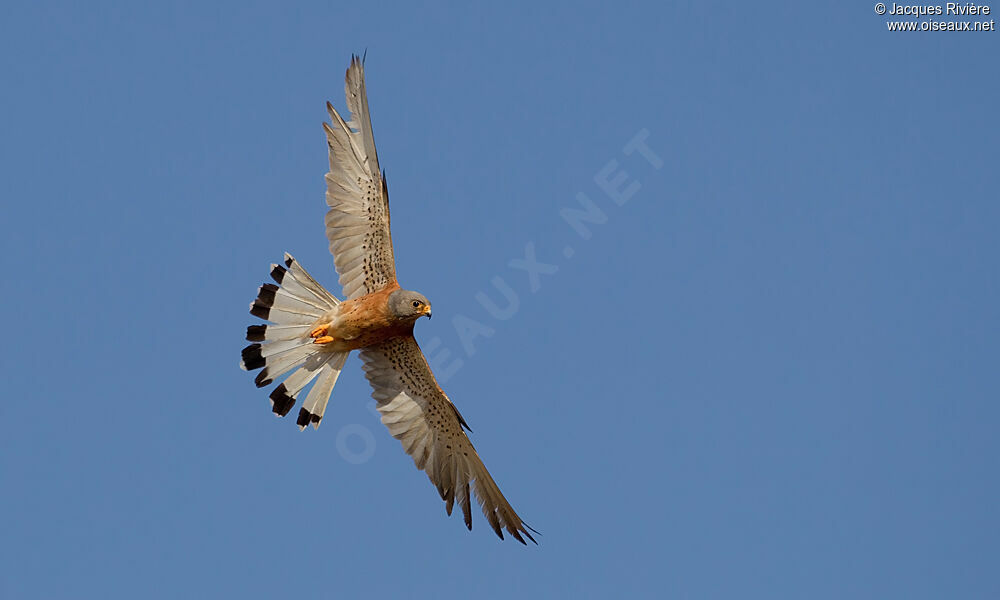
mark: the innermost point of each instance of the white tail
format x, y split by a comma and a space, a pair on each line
293, 305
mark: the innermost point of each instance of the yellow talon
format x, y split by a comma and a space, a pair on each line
319, 331
326, 339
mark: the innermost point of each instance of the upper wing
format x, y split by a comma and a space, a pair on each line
420, 415
357, 223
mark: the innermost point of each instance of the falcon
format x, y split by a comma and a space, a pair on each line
310, 332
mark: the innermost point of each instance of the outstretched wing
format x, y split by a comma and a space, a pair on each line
420, 415
357, 223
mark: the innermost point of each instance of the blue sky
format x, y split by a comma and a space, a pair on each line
765, 372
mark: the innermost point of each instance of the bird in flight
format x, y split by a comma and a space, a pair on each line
311, 332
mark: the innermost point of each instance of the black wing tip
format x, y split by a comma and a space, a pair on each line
526, 529
515, 531
281, 401
289, 260
528, 535
256, 333
252, 357
467, 507
516, 534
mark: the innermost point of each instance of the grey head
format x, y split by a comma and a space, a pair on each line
407, 305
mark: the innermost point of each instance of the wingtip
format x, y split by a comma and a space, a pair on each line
522, 528
334, 116
533, 541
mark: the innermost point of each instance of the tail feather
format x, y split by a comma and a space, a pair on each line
315, 404
301, 287
283, 396
280, 363
276, 333
293, 306
278, 305
307, 281
270, 349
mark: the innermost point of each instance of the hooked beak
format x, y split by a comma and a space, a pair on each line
427, 311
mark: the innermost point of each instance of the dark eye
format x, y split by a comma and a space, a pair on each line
416, 304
